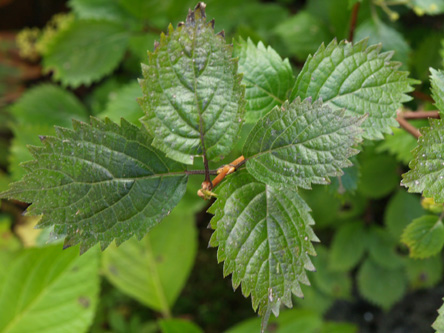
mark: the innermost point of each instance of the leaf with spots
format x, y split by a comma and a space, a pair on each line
426, 174
99, 182
360, 80
193, 97
264, 237
301, 143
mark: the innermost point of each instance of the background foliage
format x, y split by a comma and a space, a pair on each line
370, 258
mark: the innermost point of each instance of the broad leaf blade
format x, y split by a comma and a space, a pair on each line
301, 143
193, 98
426, 173
358, 79
48, 290
99, 182
268, 79
437, 82
424, 236
85, 51
264, 236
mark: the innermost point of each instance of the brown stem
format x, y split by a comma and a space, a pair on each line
420, 95
420, 114
353, 19
200, 172
407, 126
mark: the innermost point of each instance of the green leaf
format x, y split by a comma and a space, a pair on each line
437, 82
85, 52
264, 237
301, 143
99, 182
123, 104
360, 80
348, 182
424, 236
380, 285
314, 299
348, 246
382, 249
178, 326
429, 7
402, 209
301, 34
438, 325
268, 78
193, 98
390, 38
99, 9
424, 273
49, 290
426, 173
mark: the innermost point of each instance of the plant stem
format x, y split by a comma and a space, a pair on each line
420, 114
353, 19
200, 172
407, 126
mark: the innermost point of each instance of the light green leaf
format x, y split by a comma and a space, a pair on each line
85, 52
264, 237
429, 7
391, 39
123, 104
437, 82
348, 246
424, 236
193, 98
99, 9
301, 143
402, 209
426, 173
360, 80
424, 273
438, 325
178, 326
381, 286
268, 78
155, 269
301, 34
48, 290
99, 182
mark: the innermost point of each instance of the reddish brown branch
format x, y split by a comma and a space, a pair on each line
420, 114
353, 19
407, 126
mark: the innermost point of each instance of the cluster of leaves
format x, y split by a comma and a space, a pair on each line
99, 181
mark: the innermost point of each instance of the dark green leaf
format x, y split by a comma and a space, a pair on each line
268, 78
301, 143
99, 182
178, 326
424, 273
264, 236
382, 248
193, 98
360, 80
437, 82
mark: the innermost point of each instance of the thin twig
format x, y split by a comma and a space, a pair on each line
407, 126
420, 114
353, 19
200, 172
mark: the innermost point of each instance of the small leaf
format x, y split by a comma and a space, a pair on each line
381, 286
424, 236
348, 246
85, 52
178, 326
358, 79
301, 143
49, 290
426, 173
193, 98
437, 82
268, 78
438, 325
99, 182
401, 210
264, 237
424, 273
382, 249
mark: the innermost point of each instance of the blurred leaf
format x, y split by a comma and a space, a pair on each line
334, 13
348, 246
429, 7
300, 144
85, 52
155, 269
314, 299
437, 82
424, 236
348, 182
336, 284
333, 327
268, 78
426, 54
382, 248
301, 35
178, 326
424, 273
438, 325
401, 210
325, 206
109, 10
123, 104
139, 45
381, 286
391, 39
98, 98
27, 232
49, 290
360, 80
